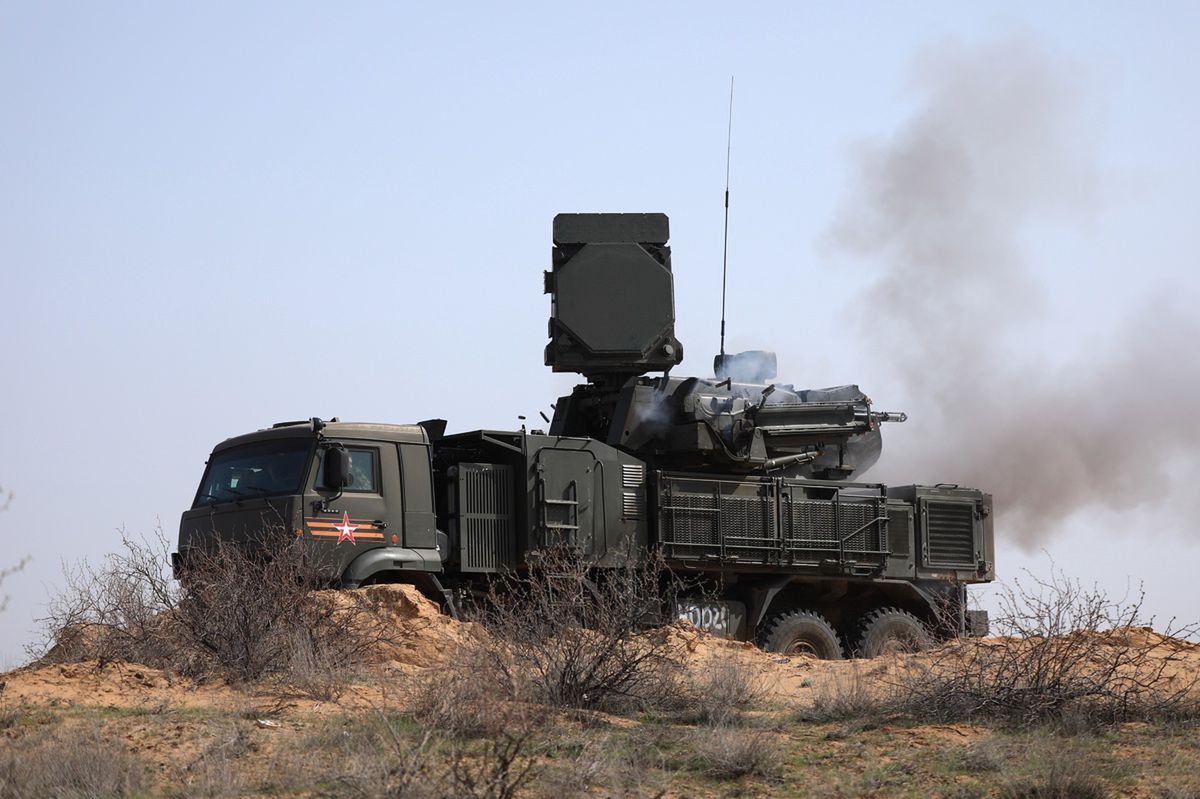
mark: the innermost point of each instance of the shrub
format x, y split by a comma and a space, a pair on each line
1067, 655
119, 610
569, 636
725, 687
241, 612
459, 698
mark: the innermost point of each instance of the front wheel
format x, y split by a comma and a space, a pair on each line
804, 633
891, 630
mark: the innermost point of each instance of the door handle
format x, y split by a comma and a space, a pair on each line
380, 523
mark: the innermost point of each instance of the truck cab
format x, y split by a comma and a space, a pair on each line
362, 492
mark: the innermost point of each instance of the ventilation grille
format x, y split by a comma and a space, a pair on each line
813, 530
691, 529
702, 519
769, 523
633, 483
899, 531
950, 534
485, 516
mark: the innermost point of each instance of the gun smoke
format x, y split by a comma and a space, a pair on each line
943, 208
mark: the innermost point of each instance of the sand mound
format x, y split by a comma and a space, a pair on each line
406, 626
408, 632
111, 685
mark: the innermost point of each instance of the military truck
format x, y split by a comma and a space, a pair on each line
739, 481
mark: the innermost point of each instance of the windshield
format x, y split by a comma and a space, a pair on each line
256, 470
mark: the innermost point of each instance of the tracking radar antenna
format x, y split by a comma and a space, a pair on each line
725, 249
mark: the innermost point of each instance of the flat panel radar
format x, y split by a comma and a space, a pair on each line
612, 307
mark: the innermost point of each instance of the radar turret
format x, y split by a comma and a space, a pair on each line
613, 321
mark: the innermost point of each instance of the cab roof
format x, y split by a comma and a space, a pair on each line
404, 433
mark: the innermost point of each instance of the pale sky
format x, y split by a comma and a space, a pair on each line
216, 217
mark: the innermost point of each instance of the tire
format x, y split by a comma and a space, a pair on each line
891, 630
802, 632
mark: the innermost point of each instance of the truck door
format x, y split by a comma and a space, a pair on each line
369, 511
564, 511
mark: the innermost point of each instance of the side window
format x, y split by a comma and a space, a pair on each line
364, 468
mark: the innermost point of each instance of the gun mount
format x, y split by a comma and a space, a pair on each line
612, 320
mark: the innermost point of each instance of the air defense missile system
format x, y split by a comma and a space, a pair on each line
750, 485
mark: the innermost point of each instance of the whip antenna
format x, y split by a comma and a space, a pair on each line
725, 251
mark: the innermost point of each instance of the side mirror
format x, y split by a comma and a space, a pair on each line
336, 474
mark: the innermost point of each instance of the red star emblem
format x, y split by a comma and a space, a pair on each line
346, 529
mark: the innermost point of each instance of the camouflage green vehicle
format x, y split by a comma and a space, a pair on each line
744, 483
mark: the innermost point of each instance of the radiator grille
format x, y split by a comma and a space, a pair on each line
485, 516
950, 533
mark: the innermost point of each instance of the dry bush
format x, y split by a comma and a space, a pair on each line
214, 773
603, 762
382, 758
724, 689
1067, 655
241, 612
568, 636
71, 764
319, 668
252, 610
981, 756
119, 610
583, 766
459, 699
497, 769
1059, 773
732, 752
390, 758
850, 696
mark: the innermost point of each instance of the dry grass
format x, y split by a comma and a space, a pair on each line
215, 772
850, 695
724, 690
731, 752
68, 764
1059, 772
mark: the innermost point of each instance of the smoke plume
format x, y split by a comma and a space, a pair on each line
944, 209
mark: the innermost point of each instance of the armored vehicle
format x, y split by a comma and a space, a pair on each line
749, 485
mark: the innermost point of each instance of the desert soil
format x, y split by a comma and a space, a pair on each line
212, 738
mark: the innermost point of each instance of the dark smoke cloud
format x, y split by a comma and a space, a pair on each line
944, 208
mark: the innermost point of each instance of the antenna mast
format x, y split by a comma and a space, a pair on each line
725, 252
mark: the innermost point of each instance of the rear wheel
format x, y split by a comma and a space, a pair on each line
889, 631
802, 632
